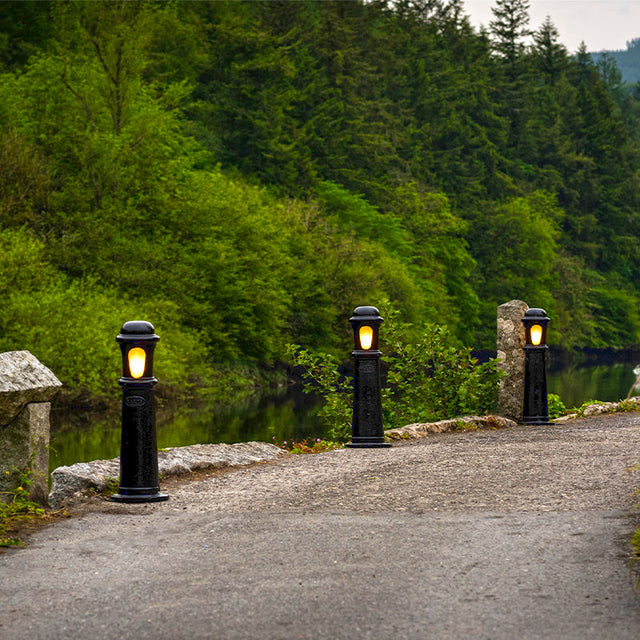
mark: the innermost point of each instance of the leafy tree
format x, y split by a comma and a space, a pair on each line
354, 214
24, 28
71, 325
441, 261
249, 172
516, 258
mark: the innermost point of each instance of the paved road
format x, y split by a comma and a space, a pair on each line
519, 533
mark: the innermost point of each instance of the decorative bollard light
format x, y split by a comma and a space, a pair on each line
139, 478
536, 408
367, 430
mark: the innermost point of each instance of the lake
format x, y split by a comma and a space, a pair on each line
282, 414
289, 413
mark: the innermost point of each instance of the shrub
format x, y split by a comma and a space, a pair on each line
321, 375
428, 378
556, 406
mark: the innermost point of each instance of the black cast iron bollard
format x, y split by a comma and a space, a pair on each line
139, 478
536, 407
367, 429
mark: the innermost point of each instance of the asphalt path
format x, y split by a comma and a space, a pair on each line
509, 534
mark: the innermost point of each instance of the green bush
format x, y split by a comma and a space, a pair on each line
321, 375
72, 330
556, 406
428, 378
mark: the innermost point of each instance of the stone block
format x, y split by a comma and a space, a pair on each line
24, 444
26, 386
23, 379
422, 430
510, 347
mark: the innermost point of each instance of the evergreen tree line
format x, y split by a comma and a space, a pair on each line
627, 61
243, 174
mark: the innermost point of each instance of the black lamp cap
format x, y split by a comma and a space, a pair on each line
137, 330
366, 314
539, 315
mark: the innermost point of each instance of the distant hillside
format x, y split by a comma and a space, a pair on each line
628, 61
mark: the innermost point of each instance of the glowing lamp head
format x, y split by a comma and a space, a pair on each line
535, 324
137, 341
366, 337
366, 323
536, 334
137, 361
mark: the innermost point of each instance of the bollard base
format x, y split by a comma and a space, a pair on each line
140, 497
367, 445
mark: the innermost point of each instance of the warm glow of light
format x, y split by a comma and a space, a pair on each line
137, 361
536, 334
366, 337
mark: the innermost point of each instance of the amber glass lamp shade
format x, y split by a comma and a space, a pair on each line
365, 335
137, 362
536, 334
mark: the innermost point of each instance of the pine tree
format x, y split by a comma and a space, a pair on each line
509, 29
550, 56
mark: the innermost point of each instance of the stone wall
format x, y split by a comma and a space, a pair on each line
26, 387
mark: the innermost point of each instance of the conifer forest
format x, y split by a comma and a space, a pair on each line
243, 174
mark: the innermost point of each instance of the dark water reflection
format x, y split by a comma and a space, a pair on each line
288, 414
576, 385
598, 374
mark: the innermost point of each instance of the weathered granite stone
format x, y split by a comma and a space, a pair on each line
598, 408
68, 483
76, 479
510, 344
26, 386
24, 444
421, 430
177, 460
23, 379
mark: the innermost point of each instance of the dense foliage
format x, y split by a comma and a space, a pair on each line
243, 174
426, 378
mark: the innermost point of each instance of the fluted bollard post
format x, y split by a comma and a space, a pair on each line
367, 429
139, 477
536, 407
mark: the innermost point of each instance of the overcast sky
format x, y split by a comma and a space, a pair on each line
602, 24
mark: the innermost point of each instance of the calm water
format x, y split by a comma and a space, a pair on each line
289, 414
576, 385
